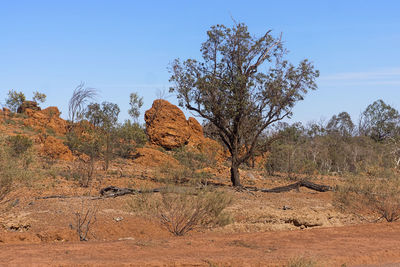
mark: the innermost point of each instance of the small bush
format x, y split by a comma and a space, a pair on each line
85, 218
181, 211
193, 159
81, 171
130, 136
376, 198
19, 144
301, 262
14, 100
12, 167
191, 170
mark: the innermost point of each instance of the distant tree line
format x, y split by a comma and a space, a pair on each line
338, 146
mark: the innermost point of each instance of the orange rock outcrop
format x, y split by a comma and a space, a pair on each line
48, 118
55, 148
167, 126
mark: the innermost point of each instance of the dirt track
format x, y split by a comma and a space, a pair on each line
350, 245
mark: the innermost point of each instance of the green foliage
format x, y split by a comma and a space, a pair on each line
15, 161
191, 167
230, 89
181, 210
332, 148
84, 138
19, 144
104, 119
193, 159
130, 136
341, 124
104, 115
6, 171
39, 97
135, 103
284, 152
379, 121
14, 100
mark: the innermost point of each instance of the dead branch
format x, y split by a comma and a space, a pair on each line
297, 185
113, 191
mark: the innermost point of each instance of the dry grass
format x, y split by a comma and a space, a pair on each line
301, 262
16, 164
374, 198
181, 210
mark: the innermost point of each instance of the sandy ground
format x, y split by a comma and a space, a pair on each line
359, 245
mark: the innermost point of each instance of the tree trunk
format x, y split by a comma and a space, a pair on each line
107, 154
235, 178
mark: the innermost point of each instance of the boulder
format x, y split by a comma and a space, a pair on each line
46, 119
196, 132
166, 125
55, 148
150, 157
28, 105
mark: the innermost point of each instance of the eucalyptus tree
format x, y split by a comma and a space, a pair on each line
104, 118
379, 121
242, 85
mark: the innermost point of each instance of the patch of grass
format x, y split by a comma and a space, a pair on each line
181, 210
192, 168
15, 164
193, 159
9, 122
241, 243
301, 262
81, 171
50, 131
378, 198
19, 144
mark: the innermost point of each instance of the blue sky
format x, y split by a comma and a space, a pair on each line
121, 47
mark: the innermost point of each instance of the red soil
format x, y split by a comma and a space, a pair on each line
350, 245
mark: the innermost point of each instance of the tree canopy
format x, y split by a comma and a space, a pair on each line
379, 120
242, 85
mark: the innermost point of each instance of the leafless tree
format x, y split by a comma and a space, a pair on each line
77, 103
84, 219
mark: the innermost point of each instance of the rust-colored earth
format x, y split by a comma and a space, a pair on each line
341, 246
266, 229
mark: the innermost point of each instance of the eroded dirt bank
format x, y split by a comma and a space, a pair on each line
349, 245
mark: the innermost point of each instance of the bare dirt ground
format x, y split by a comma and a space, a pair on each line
41, 232
266, 229
340, 246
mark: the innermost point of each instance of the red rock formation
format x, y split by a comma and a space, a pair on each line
48, 118
55, 148
166, 125
28, 105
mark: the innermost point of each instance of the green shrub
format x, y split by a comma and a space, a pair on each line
181, 210
14, 100
19, 144
193, 159
301, 262
130, 136
191, 168
13, 167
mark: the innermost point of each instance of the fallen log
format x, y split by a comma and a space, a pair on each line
297, 185
113, 191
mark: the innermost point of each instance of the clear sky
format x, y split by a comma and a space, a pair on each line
121, 47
